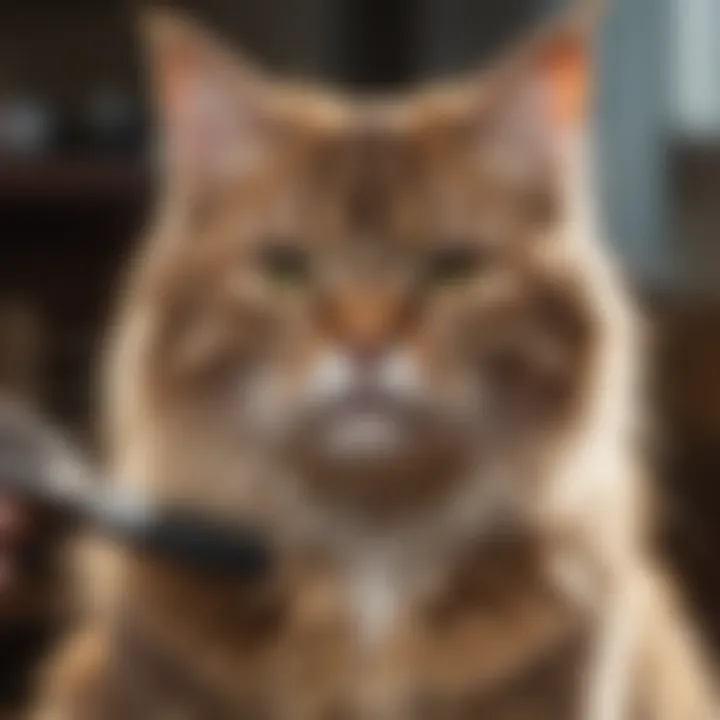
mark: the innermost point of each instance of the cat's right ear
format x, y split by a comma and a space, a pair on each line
209, 103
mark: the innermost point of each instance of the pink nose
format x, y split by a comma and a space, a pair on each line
365, 321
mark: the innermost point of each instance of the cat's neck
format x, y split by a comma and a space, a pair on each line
415, 547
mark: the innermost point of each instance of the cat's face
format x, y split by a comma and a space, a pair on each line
371, 291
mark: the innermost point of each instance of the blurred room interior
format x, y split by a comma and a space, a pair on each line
75, 185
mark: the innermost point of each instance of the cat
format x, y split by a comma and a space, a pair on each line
385, 331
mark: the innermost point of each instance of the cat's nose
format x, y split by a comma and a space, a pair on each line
366, 322
366, 332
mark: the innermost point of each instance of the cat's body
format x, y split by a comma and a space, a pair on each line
500, 642
385, 333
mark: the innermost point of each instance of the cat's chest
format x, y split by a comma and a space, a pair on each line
495, 643
376, 595
487, 647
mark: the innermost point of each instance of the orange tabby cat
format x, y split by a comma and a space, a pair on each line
385, 331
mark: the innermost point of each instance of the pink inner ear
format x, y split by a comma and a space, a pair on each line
180, 111
521, 143
208, 109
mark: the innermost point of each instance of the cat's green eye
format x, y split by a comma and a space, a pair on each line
285, 264
454, 265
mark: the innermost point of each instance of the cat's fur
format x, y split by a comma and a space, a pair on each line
385, 331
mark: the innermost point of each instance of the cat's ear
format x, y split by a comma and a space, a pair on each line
540, 94
209, 102
556, 74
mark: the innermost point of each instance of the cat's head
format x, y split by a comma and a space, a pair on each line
381, 293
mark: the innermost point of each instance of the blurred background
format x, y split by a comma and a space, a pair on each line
75, 188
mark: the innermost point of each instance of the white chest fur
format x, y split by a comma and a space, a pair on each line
377, 594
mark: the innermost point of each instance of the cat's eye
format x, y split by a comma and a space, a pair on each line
455, 264
285, 263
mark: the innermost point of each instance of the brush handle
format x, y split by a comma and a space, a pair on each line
184, 538
173, 535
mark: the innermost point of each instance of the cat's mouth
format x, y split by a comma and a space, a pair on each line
369, 447
364, 425
370, 432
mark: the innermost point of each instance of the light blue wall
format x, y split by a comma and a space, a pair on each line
632, 133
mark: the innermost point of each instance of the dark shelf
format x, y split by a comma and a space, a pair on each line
55, 180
